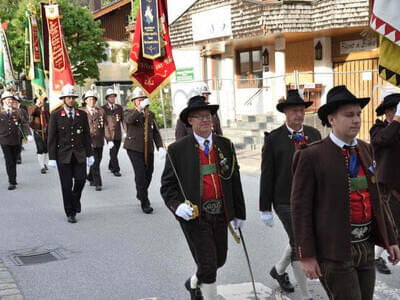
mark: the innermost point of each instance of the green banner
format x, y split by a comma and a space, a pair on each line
34, 55
7, 78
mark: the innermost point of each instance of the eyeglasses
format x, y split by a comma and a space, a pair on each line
206, 117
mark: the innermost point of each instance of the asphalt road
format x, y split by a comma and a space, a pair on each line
117, 252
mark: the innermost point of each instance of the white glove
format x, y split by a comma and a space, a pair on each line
145, 103
162, 152
398, 110
184, 211
238, 223
52, 163
90, 161
268, 218
123, 135
30, 138
110, 144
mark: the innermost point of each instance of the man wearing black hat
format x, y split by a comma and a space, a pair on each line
336, 212
202, 168
183, 129
385, 139
276, 181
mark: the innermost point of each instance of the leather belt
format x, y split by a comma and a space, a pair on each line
361, 232
213, 206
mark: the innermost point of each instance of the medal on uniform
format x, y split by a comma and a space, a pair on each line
78, 131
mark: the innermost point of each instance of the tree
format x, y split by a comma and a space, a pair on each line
83, 36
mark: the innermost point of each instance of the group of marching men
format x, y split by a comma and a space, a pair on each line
338, 197
71, 139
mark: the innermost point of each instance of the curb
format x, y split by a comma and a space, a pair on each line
9, 289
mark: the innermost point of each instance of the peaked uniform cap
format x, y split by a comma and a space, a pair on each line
293, 98
338, 96
68, 90
389, 101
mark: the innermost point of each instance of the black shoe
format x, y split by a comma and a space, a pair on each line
147, 209
43, 171
117, 174
283, 280
19, 161
381, 266
46, 168
195, 294
98, 188
12, 187
71, 219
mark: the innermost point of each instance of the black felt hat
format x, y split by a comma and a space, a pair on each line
196, 103
388, 102
293, 98
337, 96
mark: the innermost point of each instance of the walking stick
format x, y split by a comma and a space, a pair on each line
248, 262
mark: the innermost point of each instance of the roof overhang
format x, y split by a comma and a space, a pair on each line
109, 8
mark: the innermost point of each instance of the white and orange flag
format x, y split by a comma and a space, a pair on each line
60, 72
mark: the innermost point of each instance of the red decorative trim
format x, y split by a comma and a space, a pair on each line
376, 23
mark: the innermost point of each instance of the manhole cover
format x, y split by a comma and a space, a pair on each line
32, 258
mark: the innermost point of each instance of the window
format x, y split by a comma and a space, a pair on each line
249, 68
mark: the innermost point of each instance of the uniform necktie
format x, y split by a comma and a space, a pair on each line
9, 112
112, 107
70, 115
206, 147
354, 162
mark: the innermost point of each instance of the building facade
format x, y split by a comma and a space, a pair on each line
251, 52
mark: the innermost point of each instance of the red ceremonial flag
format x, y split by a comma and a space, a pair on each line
60, 72
153, 72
